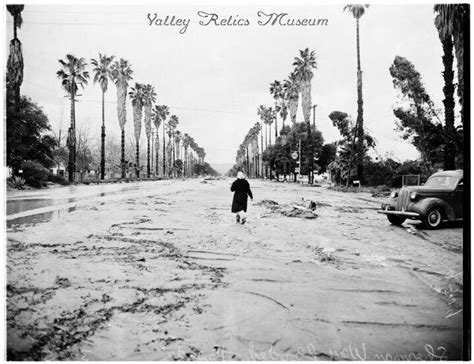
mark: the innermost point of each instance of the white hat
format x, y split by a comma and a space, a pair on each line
240, 175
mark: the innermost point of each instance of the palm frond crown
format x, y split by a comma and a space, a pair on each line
304, 65
102, 70
72, 73
357, 10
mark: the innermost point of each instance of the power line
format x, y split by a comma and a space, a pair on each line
382, 135
80, 24
126, 12
111, 102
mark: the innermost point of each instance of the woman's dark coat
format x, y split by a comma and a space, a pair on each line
242, 189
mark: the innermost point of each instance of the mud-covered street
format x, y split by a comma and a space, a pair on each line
167, 274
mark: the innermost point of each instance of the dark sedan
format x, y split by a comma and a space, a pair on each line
441, 198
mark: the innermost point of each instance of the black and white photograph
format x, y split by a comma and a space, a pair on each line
236, 181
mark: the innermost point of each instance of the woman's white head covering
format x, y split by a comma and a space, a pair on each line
240, 175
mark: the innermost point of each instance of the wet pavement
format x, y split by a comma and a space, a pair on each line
43, 205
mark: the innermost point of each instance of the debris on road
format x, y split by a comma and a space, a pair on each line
299, 211
324, 254
267, 203
289, 211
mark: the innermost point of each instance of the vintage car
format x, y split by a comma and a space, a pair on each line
441, 198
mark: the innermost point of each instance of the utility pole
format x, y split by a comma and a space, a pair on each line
299, 155
314, 115
311, 176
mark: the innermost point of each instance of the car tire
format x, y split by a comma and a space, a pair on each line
396, 220
433, 218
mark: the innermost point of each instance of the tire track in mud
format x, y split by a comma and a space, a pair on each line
59, 336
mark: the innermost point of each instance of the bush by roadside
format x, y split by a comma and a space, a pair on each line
35, 174
16, 182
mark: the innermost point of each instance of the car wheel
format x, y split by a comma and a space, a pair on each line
396, 220
433, 218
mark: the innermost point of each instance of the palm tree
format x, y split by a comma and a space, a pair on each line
357, 11
276, 90
102, 72
172, 125
121, 74
137, 96
72, 74
449, 21
283, 110
186, 144
271, 117
149, 97
177, 141
261, 113
15, 59
159, 115
445, 36
291, 91
303, 74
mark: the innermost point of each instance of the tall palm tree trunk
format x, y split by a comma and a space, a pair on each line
448, 90
184, 163
247, 161
122, 161
360, 113
173, 148
137, 159
15, 47
164, 150
276, 123
266, 135
306, 106
102, 137
157, 148
261, 153
148, 171
72, 141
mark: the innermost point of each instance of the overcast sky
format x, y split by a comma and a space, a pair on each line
214, 78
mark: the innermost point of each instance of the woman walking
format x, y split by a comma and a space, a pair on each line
241, 189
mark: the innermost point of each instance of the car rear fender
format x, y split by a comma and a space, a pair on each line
427, 203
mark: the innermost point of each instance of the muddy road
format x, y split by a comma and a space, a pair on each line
167, 274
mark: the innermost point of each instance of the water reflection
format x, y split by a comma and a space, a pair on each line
16, 206
39, 218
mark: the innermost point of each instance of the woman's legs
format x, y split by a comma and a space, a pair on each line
243, 217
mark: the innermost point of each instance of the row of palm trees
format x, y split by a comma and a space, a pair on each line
74, 74
286, 95
249, 154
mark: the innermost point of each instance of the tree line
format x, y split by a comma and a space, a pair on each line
181, 154
432, 131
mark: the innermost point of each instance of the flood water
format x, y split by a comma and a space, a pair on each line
38, 218
44, 205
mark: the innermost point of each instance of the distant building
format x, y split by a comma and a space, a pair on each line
58, 170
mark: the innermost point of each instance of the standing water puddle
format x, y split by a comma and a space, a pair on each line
38, 218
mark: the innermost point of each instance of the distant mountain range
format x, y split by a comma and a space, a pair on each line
222, 168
